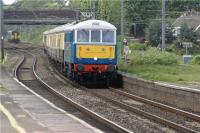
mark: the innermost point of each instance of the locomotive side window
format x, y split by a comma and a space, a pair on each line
83, 36
108, 36
95, 36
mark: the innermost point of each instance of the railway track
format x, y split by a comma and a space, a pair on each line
25, 72
33, 82
157, 104
109, 93
164, 117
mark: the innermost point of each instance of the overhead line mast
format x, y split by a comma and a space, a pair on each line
163, 25
122, 26
1, 30
93, 9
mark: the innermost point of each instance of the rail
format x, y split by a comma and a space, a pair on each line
90, 113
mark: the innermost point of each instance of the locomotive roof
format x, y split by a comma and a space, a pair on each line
88, 24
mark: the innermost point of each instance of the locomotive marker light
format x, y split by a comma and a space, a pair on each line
80, 67
95, 58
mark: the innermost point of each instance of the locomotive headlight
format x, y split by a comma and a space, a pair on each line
95, 58
111, 68
80, 67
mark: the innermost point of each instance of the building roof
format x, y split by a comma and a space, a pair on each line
193, 21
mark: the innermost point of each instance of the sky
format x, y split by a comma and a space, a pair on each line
8, 2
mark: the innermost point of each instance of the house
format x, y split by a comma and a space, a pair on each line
192, 19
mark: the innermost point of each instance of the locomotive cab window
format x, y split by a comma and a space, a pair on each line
83, 36
108, 36
95, 36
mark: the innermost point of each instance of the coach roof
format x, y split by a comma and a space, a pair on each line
88, 24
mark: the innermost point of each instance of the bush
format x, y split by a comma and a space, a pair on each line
178, 49
196, 59
137, 46
153, 56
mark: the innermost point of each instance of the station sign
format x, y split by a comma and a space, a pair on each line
87, 14
187, 44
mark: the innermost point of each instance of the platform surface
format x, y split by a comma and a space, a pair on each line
22, 110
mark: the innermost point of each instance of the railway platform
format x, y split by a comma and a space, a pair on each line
22, 110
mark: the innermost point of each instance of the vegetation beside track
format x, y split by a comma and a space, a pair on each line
173, 73
35, 36
152, 64
2, 62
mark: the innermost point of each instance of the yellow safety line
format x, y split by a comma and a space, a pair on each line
12, 120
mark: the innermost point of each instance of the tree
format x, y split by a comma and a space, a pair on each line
36, 4
153, 33
183, 5
187, 33
82, 5
105, 10
142, 12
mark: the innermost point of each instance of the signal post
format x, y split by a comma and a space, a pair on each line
1, 30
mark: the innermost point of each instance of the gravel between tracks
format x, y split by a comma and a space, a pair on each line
120, 116
151, 109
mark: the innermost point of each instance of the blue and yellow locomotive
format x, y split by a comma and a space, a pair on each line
86, 50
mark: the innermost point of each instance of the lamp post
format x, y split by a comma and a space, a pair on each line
1, 30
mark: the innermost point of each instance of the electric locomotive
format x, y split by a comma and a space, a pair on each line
85, 51
14, 37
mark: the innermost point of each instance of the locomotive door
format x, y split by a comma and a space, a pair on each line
61, 46
57, 46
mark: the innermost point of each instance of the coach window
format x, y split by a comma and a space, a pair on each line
95, 36
108, 36
82, 36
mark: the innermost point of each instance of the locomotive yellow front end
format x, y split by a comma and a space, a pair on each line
96, 50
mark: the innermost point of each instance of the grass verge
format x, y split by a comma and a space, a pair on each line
173, 73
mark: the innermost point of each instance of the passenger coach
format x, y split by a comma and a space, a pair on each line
86, 50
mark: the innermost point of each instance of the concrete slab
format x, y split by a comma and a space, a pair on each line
5, 126
22, 118
34, 114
